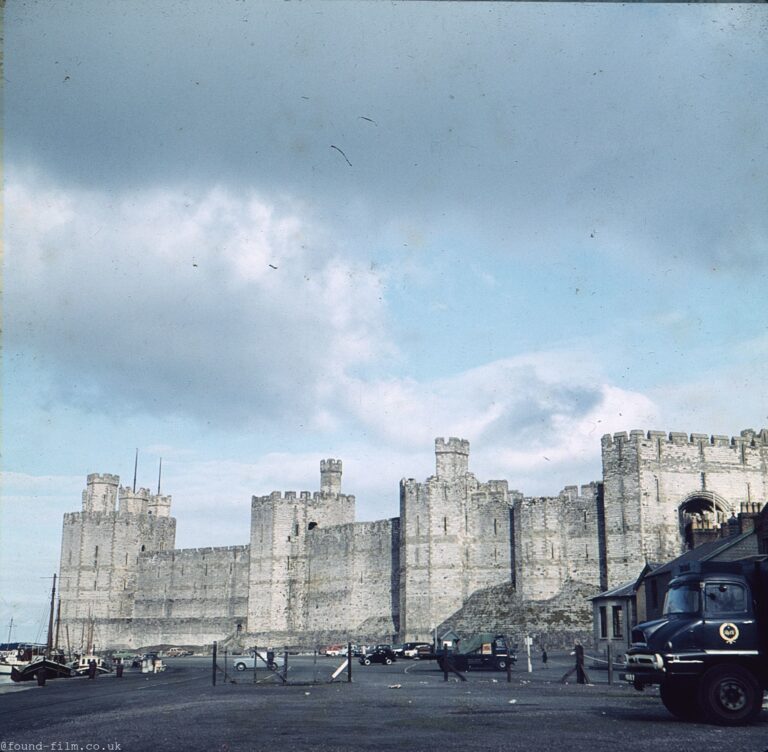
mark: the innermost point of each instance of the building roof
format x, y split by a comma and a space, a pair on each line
704, 552
625, 590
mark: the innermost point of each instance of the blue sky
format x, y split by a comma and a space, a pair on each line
247, 236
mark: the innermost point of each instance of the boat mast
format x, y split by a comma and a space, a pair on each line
58, 625
10, 629
49, 641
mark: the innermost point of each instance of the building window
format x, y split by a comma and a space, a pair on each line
618, 626
603, 623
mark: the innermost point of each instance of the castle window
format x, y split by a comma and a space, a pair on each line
126, 560
96, 553
445, 525
296, 531
312, 525
69, 558
495, 528
205, 573
143, 547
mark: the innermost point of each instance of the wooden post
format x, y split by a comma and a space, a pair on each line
509, 663
285, 665
225, 665
214, 662
445, 662
255, 661
349, 662
610, 663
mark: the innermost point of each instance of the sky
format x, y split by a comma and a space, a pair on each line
244, 237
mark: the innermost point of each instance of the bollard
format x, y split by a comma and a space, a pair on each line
509, 665
225, 665
285, 664
445, 662
349, 662
214, 662
255, 661
610, 663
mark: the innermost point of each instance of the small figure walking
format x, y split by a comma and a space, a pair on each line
544, 657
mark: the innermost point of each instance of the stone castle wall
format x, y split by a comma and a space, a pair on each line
556, 540
464, 551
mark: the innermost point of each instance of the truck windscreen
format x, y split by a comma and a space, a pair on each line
683, 599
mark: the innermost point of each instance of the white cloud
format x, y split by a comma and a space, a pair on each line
222, 306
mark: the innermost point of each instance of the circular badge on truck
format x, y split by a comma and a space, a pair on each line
729, 632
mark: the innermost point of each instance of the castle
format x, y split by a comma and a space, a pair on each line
310, 573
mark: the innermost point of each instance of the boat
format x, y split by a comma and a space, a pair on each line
54, 667
51, 663
80, 666
18, 654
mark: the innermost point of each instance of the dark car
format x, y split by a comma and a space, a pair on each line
378, 655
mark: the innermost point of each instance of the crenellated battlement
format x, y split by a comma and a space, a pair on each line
452, 444
451, 457
105, 478
748, 437
293, 496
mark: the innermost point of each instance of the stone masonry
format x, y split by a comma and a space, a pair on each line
463, 553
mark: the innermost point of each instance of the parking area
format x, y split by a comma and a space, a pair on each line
403, 706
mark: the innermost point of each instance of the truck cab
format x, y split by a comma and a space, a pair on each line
706, 653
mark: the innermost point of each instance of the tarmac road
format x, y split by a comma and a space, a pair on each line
405, 706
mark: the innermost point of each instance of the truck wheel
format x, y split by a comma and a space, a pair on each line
501, 664
730, 696
679, 698
240, 666
387, 661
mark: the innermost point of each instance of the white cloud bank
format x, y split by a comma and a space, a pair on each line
229, 308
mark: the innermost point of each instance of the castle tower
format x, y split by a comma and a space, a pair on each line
100, 493
451, 458
662, 489
100, 554
330, 476
159, 506
454, 540
280, 526
134, 502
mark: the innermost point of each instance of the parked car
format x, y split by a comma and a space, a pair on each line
177, 652
378, 655
416, 650
336, 650
243, 662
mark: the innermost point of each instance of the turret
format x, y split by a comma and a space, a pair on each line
159, 506
134, 502
451, 457
100, 494
330, 476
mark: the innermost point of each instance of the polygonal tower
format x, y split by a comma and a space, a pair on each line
100, 552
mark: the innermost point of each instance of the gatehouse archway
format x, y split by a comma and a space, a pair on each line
702, 510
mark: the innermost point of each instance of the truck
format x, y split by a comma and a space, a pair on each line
708, 653
483, 650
